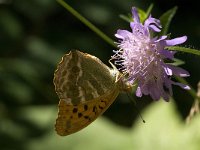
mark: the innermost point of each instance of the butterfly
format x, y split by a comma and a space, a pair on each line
86, 87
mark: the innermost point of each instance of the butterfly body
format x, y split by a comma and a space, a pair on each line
86, 88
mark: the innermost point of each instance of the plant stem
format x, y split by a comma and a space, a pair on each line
86, 22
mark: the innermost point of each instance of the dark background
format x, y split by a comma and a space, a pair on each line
34, 35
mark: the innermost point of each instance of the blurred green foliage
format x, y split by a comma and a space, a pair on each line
163, 130
35, 34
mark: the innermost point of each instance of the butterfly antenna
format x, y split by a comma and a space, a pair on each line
130, 97
137, 110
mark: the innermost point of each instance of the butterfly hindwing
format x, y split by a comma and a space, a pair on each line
72, 119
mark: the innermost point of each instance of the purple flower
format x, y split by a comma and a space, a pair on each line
141, 58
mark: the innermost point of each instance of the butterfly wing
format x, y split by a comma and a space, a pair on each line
83, 83
72, 119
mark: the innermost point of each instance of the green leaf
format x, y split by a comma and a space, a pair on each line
177, 62
142, 14
161, 118
126, 18
149, 10
166, 19
184, 49
11, 25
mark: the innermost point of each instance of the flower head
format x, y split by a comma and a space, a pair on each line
141, 58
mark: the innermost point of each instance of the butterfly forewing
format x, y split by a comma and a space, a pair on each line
80, 77
86, 87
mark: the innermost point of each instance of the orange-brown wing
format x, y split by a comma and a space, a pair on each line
74, 118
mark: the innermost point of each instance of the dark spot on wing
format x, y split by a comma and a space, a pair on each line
100, 107
94, 109
87, 117
75, 110
80, 115
85, 107
102, 101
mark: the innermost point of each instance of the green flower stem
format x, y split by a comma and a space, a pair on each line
86, 22
184, 49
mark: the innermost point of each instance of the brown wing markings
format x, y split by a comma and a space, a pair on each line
74, 118
63, 74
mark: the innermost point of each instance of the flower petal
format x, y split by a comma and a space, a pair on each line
168, 71
165, 96
121, 34
155, 93
184, 86
135, 15
178, 71
154, 28
176, 41
161, 38
138, 92
153, 24
152, 20
168, 85
139, 30
168, 54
